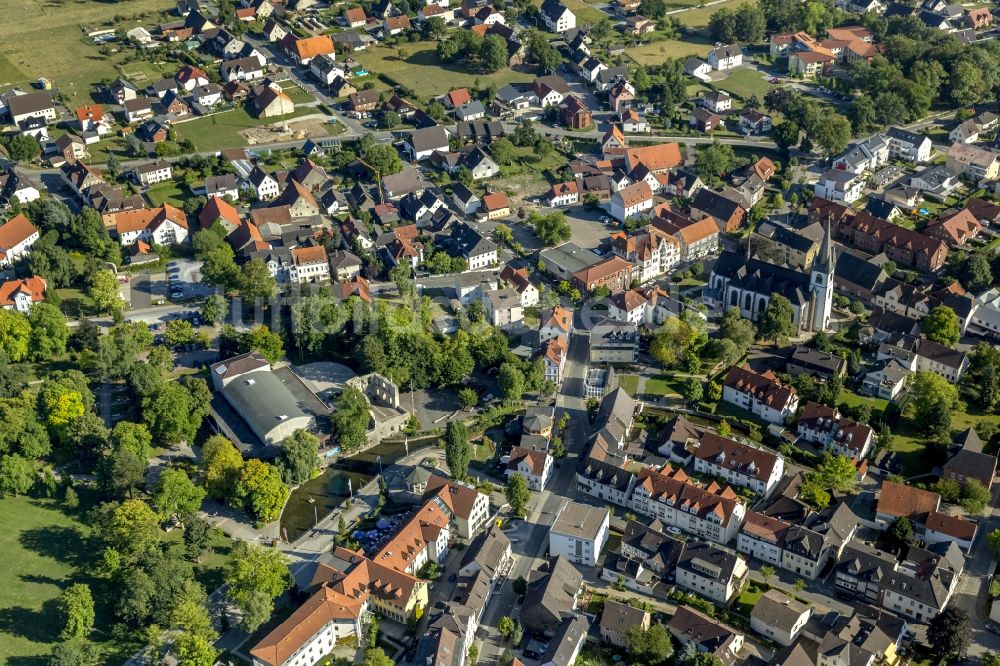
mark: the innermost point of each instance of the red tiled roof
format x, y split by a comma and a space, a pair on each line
216, 208
16, 230
33, 286
766, 388
495, 201
656, 158
953, 526
315, 254
144, 218
896, 499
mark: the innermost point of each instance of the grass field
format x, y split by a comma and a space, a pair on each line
629, 384
222, 130
44, 551
42, 38
663, 385
654, 53
745, 83
853, 400
584, 12
698, 17
298, 95
169, 192
76, 303
423, 72
749, 598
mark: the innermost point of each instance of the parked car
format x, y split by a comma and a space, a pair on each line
452, 578
531, 654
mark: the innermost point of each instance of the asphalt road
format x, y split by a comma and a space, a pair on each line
532, 534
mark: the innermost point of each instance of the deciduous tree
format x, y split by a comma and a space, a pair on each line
350, 419
517, 494
264, 341
650, 646
255, 573
15, 335
176, 495
222, 463
260, 490
776, 321
76, 604
299, 457
941, 325
49, 332
949, 634
104, 290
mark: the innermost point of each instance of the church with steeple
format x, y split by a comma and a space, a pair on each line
740, 281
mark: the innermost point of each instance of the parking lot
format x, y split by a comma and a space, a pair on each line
184, 280
180, 282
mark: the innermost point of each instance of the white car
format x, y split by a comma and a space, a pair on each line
674, 530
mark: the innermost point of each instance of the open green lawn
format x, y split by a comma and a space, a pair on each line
425, 74
298, 95
8, 72
663, 385
698, 17
654, 53
170, 192
744, 83
42, 38
76, 303
749, 598
222, 130
853, 400
629, 384
44, 550
585, 14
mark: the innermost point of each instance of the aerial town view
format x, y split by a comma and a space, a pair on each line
499, 332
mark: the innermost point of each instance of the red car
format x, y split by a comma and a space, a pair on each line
774, 79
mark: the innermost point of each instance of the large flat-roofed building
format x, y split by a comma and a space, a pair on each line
564, 260
579, 533
259, 397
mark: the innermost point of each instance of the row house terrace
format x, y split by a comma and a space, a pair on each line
712, 512
651, 251
803, 549
739, 464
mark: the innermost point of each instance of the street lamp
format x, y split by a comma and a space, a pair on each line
312, 500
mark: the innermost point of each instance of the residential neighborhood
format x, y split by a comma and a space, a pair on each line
548, 333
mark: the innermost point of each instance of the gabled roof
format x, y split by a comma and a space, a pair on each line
736, 457
897, 499
708, 634
953, 526
551, 592
429, 138
778, 610
33, 287
459, 498
127, 221
310, 47
656, 158
766, 387
217, 208
16, 230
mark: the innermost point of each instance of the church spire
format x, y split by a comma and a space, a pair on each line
824, 262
